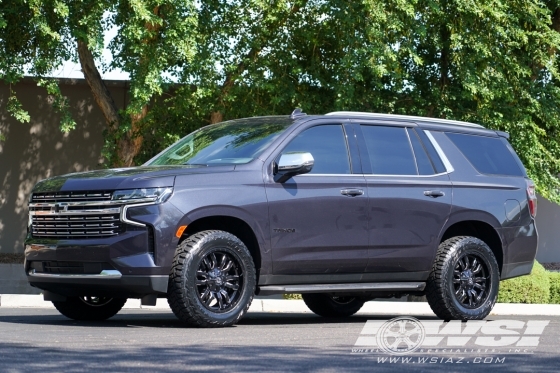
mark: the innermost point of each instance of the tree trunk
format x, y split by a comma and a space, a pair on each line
100, 92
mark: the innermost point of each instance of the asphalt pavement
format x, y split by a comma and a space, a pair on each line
35, 339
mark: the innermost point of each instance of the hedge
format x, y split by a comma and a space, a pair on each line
554, 287
533, 288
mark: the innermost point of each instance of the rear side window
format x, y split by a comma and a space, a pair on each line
425, 166
489, 155
390, 151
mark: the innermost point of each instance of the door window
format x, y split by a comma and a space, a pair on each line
390, 151
327, 145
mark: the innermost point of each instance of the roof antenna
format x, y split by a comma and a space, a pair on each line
297, 113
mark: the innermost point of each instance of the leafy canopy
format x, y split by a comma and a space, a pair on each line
493, 62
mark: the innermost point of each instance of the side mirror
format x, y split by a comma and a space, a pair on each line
292, 164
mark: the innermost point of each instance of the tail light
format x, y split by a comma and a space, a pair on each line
532, 198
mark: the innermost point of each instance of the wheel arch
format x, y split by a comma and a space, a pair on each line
234, 222
481, 230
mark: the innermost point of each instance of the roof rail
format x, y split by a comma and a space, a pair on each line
407, 117
297, 113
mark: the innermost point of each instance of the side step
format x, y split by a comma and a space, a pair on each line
330, 288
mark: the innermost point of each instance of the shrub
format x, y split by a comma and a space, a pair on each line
533, 288
554, 278
292, 296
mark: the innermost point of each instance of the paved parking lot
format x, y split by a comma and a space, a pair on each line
41, 340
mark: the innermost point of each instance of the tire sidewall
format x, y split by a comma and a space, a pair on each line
479, 248
214, 243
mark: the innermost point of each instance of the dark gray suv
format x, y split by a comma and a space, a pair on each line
342, 208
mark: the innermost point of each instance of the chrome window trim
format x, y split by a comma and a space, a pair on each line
440, 152
368, 175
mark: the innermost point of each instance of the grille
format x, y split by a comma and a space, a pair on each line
76, 226
74, 215
71, 197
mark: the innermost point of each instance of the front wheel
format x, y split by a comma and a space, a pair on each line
212, 281
332, 306
90, 308
464, 281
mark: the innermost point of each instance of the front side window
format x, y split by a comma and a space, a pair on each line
327, 145
232, 142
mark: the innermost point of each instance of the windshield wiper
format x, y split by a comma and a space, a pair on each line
195, 164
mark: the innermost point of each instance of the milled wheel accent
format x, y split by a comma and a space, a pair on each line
90, 308
464, 281
212, 280
332, 306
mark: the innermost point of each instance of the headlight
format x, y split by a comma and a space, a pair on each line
157, 195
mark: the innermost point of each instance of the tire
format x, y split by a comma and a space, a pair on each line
464, 281
90, 308
331, 306
212, 281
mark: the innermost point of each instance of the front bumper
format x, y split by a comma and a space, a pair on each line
108, 283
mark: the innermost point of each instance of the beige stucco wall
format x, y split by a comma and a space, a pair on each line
36, 150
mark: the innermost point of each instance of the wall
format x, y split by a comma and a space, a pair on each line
548, 227
36, 150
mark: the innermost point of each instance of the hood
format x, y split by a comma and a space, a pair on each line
122, 178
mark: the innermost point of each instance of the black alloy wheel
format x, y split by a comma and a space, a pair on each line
218, 280
464, 281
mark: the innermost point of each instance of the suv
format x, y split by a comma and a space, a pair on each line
341, 208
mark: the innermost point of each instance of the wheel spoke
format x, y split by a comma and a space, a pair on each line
231, 286
225, 297
228, 266
213, 260
201, 282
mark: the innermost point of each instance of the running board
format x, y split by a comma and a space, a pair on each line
331, 288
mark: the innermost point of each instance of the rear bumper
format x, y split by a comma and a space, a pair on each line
108, 284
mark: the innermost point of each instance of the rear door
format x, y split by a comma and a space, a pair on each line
410, 196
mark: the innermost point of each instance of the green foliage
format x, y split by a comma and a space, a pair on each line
533, 288
493, 62
554, 278
292, 296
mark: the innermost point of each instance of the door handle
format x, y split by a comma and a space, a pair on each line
352, 192
434, 193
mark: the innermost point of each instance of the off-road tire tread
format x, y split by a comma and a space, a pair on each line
75, 309
440, 300
187, 309
321, 305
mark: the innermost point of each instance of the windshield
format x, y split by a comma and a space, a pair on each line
232, 142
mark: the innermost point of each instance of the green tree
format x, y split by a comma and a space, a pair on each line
154, 37
493, 62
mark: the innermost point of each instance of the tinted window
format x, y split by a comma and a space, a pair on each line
487, 154
236, 141
389, 149
422, 160
327, 145
438, 164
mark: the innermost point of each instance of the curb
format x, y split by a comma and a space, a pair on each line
261, 305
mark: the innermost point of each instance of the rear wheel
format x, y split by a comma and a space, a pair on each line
332, 306
464, 281
90, 308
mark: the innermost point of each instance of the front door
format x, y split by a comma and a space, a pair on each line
319, 220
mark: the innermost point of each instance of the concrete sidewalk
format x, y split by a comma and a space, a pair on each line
298, 306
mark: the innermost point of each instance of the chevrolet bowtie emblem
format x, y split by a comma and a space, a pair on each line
59, 207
